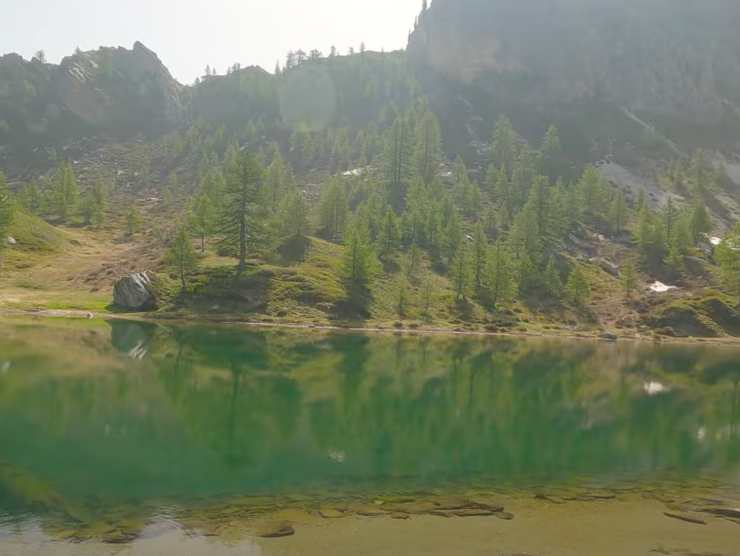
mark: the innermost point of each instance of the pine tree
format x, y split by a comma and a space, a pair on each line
728, 257
203, 219
552, 280
7, 211
460, 273
133, 221
504, 145
66, 193
397, 161
181, 255
428, 151
552, 152
333, 210
94, 205
243, 218
628, 278
414, 263
499, 283
31, 199
294, 216
618, 213
427, 296
480, 255
402, 298
389, 234
701, 221
578, 288
358, 266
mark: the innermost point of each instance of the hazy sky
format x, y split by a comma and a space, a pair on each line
188, 34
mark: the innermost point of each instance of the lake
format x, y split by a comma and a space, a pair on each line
132, 438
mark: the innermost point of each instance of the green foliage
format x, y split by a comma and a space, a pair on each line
628, 278
181, 256
460, 272
428, 153
577, 287
728, 257
66, 192
398, 161
504, 145
552, 280
243, 218
499, 283
95, 204
7, 210
202, 219
293, 216
651, 239
333, 210
133, 221
359, 264
389, 235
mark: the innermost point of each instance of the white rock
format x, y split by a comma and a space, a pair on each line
660, 287
11, 241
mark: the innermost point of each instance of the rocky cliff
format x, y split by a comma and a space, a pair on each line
111, 90
666, 62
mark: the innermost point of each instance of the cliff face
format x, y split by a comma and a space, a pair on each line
678, 59
111, 90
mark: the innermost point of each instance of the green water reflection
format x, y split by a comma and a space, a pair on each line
133, 413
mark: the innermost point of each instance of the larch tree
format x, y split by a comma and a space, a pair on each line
398, 162
242, 217
428, 152
181, 256
203, 219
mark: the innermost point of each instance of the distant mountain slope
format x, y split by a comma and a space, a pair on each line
671, 64
115, 91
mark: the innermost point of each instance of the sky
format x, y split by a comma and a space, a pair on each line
188, 35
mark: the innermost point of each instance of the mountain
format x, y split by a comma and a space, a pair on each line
605, 70
114, 91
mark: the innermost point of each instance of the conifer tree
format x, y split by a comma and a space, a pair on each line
66, 193
358, 265
398, 162
428, 151
628, 278
333, 210
133, 221
7, 211
578, 288
552, 280
294, 216
181, 255
389, 234
728, 257
460, 273
243, 218
499, 283
203, 219
479, 256
618, 213
504, 145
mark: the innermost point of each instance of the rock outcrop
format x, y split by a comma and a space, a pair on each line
136, 292
676, 58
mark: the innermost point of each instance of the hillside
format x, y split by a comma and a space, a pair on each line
570, 169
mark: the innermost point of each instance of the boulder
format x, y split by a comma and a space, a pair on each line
11, 241
136, 292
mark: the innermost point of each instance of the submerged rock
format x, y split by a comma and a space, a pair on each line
136, 292
688, 518
276, 530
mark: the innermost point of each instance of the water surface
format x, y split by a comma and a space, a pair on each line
120, 432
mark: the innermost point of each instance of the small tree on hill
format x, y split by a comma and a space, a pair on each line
203, 219
7, 210
628, 278
133, 221
181, 256
460, 273
358, 265
578, 288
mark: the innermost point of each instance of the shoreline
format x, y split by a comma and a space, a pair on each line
390, 329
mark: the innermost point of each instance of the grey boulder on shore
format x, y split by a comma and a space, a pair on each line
135, 292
